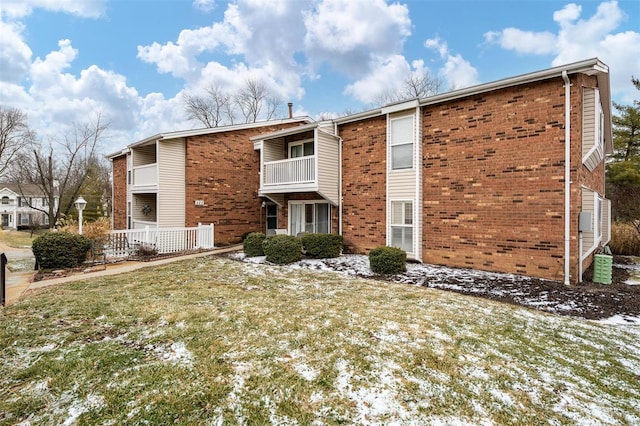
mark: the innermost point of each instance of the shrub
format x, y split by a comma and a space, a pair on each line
97, 230
55, 250
625, 239
282, 249
322, 246
252, 244
387, 260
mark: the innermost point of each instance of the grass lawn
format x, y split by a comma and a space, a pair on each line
212, 341
19, 239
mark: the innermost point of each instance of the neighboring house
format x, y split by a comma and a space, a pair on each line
21, 206
479, 177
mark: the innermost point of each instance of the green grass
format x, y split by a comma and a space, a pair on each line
19, 239
214, 341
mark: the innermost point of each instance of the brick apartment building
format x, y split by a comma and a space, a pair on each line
479, 177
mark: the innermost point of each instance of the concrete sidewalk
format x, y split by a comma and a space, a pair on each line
20, 284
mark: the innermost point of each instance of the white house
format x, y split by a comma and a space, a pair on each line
21, 206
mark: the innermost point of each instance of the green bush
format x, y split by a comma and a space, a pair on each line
252, 244
322, 246
55, 250
282, 249
625, 239
387, 260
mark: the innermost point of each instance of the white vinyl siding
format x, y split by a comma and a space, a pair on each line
403, 188
600, 209
328, 166
592, 128
171, 188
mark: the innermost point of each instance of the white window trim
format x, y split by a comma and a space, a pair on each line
392, 225
301, 142
391, 144
314, 202
596, 222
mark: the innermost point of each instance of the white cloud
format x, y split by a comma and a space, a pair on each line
351, 34
15, 55
578, 39
84, 8
538, 43
457, 72
385, 77
205, 6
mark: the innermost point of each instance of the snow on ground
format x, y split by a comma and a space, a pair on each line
467, 281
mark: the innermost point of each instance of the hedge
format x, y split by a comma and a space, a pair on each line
252, 244
322, 246
282, 249
387, 260
56, 250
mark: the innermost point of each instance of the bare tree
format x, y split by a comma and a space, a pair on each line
210, 110
14, 136
418, 84
251, 102
60, 168
250, 99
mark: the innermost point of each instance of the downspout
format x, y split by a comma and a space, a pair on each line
567, 176
335, 131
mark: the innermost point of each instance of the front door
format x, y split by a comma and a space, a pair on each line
272, 218
5, 220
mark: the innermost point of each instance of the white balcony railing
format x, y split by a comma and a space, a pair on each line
145, 175
290, 171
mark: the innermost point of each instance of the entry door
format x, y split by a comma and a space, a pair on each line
5, 220
272, 218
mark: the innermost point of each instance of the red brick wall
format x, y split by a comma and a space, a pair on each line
223, 170
364, 171
493, 180
119, 213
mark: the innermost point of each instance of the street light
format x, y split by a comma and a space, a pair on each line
80, 204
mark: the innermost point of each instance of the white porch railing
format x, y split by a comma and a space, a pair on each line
145, 175
123, 243
290, 171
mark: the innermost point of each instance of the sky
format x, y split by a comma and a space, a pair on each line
133, 61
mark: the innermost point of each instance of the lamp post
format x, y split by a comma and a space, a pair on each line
80, 204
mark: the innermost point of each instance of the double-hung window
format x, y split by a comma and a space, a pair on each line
401, 142
402, 225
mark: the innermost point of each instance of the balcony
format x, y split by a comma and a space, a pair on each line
145, 178
293, 173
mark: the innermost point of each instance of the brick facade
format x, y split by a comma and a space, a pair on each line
223, 170
492, 180
119, 213
364, 170
492, 176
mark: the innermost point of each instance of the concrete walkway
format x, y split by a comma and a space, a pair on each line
21, 284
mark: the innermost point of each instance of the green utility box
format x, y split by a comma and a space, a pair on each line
602, 265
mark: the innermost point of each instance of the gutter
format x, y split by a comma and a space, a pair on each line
567, 175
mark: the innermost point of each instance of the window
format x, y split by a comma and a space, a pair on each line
401, 142
45, 202
24, 219
300, 149
21, 202
129, 223
309, 217
45, 219
272, 218
5, 200
402, 225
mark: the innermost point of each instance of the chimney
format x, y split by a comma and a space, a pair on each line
290, 105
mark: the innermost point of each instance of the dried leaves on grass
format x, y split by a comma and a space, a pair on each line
213, 341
